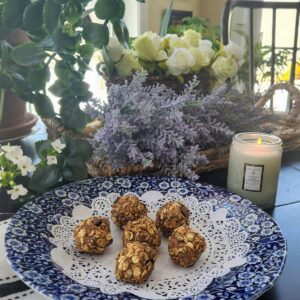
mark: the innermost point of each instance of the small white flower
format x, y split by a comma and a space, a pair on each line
9, 148
51, 160
25, 165
58, 145
17, 191
13, 153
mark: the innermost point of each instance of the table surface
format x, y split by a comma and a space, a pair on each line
286, 214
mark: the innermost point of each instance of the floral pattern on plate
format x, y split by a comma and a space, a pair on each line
29, 252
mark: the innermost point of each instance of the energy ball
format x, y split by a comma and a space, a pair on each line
186, 246
141, 230
170, 216
93, 235
135, 262
127, 208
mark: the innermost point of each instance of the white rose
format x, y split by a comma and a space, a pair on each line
206, 46
224, 68
114, 49
147, 46
177, 42
192, 37
128, 64
233, 50
202, 58
180, 62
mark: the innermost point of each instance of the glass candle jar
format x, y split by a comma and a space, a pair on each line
254, 165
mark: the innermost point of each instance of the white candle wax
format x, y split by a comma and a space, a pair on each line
254, 166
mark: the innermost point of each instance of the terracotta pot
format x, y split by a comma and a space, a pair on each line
16, 122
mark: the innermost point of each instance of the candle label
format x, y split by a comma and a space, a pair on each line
253, 177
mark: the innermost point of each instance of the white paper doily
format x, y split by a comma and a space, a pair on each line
226, 249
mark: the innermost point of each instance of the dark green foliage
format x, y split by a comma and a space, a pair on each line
51, 15
208, 30
97, 34
33, 17
60, 31
70, 164
28, 54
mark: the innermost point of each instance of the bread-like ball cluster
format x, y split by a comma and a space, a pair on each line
141, 230
135, 262
186, 246
93, 235
127, 208
170, 216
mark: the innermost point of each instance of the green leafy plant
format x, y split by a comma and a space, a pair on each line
262, 60
61, 161
62, 32
205, 26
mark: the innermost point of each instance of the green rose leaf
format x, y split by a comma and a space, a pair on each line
43, 179
38, 79
109, 9
28, 54
73, 116
6, 81
121, 32
51, 15
74, 169
42, 147
33, 17
13, 13
97, 34
81, 148
43, 106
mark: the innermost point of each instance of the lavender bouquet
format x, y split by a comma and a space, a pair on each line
147, 124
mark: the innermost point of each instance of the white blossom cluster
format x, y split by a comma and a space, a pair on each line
14, 163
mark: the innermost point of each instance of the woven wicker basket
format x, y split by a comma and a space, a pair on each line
287, 128
170, 81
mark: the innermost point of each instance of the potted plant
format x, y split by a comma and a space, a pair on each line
62, 32
15, 121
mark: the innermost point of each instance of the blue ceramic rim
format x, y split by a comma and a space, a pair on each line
18, 269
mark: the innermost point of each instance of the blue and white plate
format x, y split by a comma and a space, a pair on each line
245, 254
